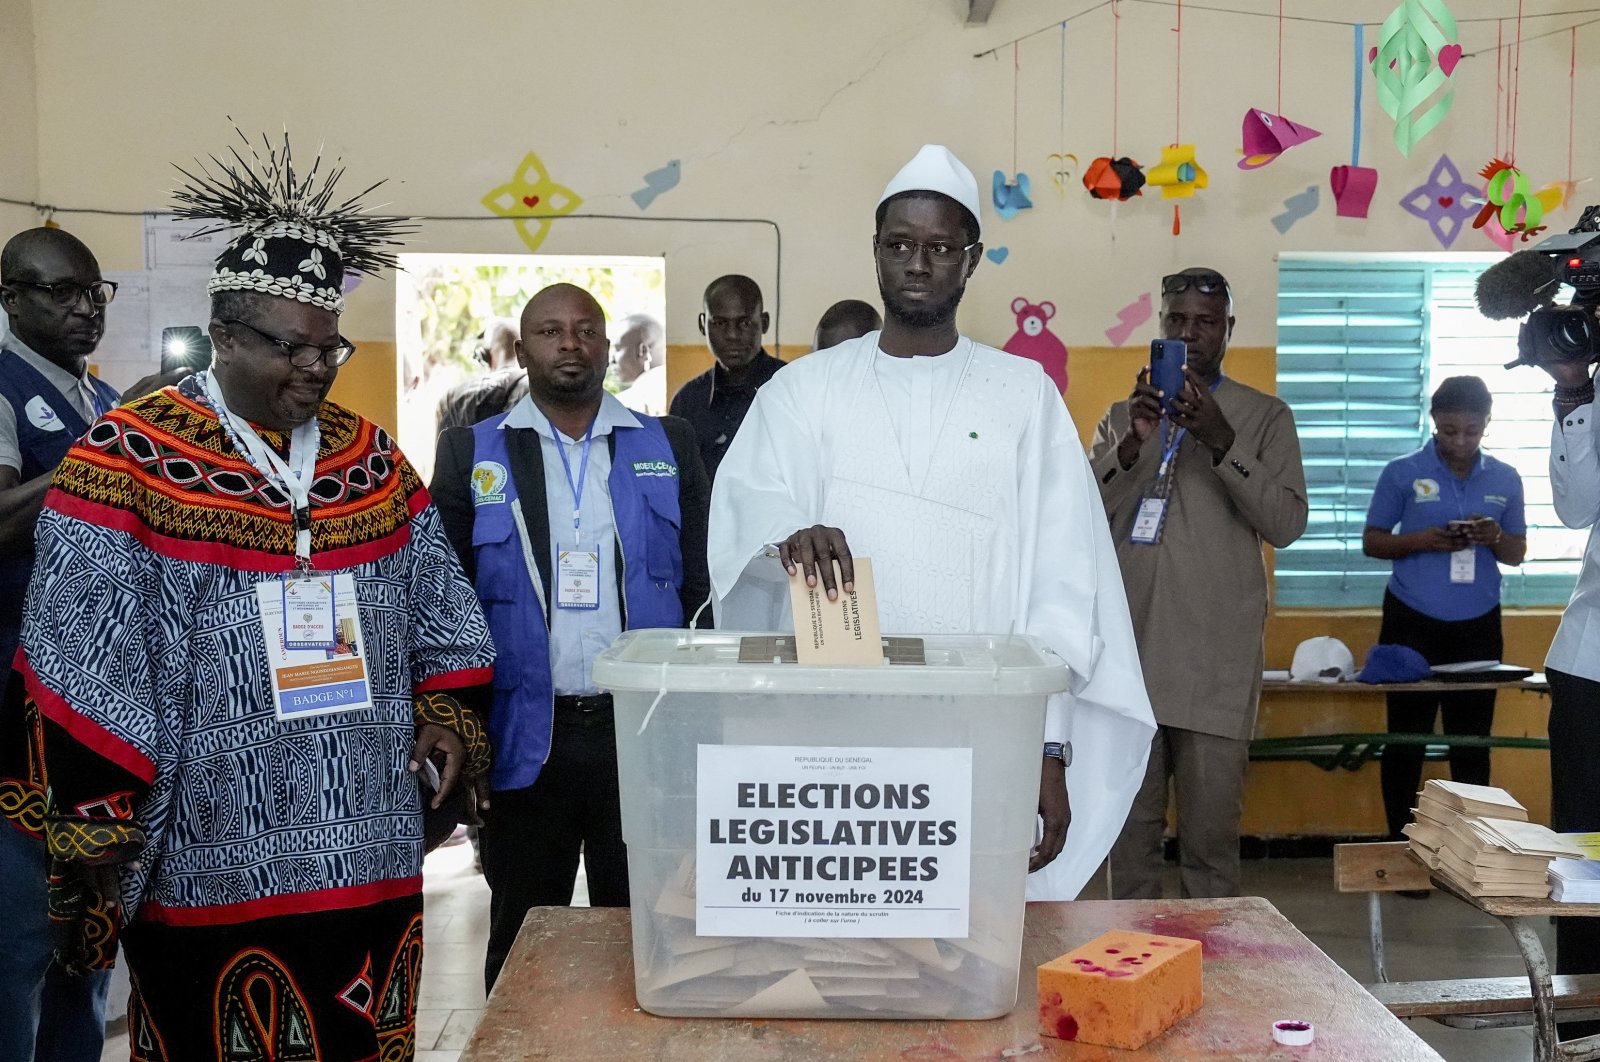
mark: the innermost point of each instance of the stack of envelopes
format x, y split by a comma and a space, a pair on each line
1480, 839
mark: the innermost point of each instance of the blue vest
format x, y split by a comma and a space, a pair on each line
515, 592
47, 426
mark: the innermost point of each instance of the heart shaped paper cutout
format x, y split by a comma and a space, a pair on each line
1449, 56
997, 254
1446, 200
530, 200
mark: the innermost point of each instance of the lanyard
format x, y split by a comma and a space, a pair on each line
583, 474
1172, 448
293, 477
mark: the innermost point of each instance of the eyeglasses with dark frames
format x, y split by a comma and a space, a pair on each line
67, 293
303, 355
896, 250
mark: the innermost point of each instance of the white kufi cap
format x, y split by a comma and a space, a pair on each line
936, 169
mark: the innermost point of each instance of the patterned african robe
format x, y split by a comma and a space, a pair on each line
276, 908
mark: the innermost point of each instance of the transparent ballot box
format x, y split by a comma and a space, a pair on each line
828, 842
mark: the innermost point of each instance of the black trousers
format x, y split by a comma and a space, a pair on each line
1575, 808
1471, 712
531, 838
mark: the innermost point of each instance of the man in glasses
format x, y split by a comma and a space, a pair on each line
733, 320
55, 299
253, 653
1193, 484
956, 468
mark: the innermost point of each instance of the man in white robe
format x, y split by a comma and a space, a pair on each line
957, 469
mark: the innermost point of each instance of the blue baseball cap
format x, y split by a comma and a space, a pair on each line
1394, 663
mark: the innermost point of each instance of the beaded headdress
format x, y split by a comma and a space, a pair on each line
294, 240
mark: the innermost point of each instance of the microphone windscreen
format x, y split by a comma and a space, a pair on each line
1517, 286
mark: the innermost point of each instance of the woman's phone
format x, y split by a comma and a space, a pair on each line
1166, 368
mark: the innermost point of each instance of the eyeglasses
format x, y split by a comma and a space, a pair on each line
66, 293
1205, 282
905, 250
304, 355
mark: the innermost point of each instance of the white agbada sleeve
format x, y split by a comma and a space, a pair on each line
768, 486
1075, 603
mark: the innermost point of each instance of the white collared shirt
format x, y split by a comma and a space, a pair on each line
1575, 489
577, 636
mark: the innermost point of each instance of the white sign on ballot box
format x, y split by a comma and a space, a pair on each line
833, 842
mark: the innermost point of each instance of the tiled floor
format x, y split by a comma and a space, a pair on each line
1437, 937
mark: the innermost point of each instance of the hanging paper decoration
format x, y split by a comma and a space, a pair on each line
1177, 174
1296, 207
1011, 196
1353, 187
1266, 136
1417, 52
1510, 199
997, 255
1442, 201
1060, 166
1119, 179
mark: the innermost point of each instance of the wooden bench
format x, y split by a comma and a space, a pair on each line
1474, 1002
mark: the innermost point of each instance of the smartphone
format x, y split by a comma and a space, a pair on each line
1166, 368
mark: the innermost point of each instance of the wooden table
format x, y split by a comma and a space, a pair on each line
567, 992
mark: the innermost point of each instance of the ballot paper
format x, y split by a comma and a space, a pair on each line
837, 633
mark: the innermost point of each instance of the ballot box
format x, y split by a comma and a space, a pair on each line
828, 842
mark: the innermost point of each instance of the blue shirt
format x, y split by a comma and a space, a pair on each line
1419, 491
577, 635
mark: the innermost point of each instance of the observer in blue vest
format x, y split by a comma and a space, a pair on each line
576, 519
55, 302
1448, 516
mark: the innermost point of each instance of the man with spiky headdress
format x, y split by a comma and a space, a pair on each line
246, 633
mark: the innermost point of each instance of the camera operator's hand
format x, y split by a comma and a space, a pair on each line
155, 382
1144, 416
1568, 373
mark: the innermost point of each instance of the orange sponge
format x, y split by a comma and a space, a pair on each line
1122, 989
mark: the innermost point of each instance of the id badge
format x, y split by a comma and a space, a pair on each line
310, 620
305, 683
577, 579
1147, 524
1464, 565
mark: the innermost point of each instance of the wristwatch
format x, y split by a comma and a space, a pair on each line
1059, 750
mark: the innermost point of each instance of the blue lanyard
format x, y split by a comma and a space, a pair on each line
101, 409
583, 473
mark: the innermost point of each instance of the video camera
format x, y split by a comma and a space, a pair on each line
1526, 283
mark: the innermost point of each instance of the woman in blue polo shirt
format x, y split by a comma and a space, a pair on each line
1448, 516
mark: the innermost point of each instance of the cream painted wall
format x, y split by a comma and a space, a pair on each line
794, 112
19, 132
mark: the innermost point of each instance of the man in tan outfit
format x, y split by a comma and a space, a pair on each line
1191, 495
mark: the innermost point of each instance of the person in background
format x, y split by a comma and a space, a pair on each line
846, 319
715, 402
639, 357
1573, 663
1192, 495
1447, 515
491, 392
576, 519
55, 311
